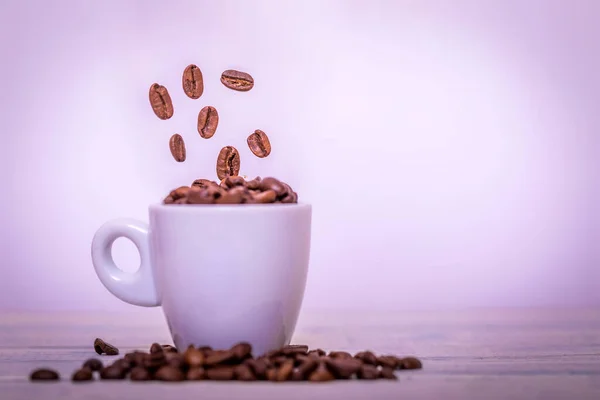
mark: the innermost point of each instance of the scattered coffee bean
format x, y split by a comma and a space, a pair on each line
140, 374
367, 357
340, 354
83, 374
228, 162
285, 370
258, 366
112, 372
169, 373
156, 348
387, 373
196, 374
175, 359
317, 353
259, 144
291, 350
388, 361
343, 368
220, 373
236, 80
160, 100
243, 372
411, 363
208, 120
177, 147
321, 374
101, 347
93, 364
169, 349
367, 371
241, 351
203, 183
192, 82
44, 374
219, 357
193, 357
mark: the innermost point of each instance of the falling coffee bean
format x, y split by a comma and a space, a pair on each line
140, 374
93, 364
177, 147
237, 80
160, 100
192, 81
228, 162
208, 120
101, 347
259, 144
44, 374
83, 374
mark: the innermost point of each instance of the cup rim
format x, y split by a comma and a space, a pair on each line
269, 207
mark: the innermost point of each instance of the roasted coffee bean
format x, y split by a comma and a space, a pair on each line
169, 373
367, 357
196, 374
259, 144
101, 347
271, 374
175, 359
316, 353
343, 368
284, 372
177, 147
367, 371
242, 351
167, 348
297, 375
243, 372
155, 360
258, 366
192, 82
112, 372
321, 374
156, 348
136, 358
340, 354
411, 363
140, 374
294, 349
220, 373
123, 364
272, 184
93, 364
219, 357
193, 357
160, 100
233, 181
208, 120
388, 361
308, 366
44, 374
231, 197
236, 80
83, 374
387, 373
254, 183
228, 162
203, 183
290, 196
268, 196
278, 360
205, 349
200, 196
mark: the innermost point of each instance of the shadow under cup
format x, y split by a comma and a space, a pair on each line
223, 274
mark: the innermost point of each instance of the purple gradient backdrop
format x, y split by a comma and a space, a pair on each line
465, 133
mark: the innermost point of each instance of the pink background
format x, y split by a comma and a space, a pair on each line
450, 148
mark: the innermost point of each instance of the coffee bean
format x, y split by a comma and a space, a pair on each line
367, 357
220, 373
254, 183
196, 374
192, 82
136, 358
154, 361
219, 357
160, 100
388, 361
93, 364
321, 374
123, 364
278, 360
258, 366
44, 374
259, 144
242, 350
236, 80
101, 347
140, 374
297, 375
294, 349
156, 348
272, 184
316, 353
83, 374
169, 373
243, 372
307, 367
167, 348
112, 373
233, 181
193, 357
175, 359
177, 147
367, 371
268, 196
411, 363
271, 374
284, 372
200, 196
340, 354
387, 373
208, 120
343, 368
228, 162
231, 197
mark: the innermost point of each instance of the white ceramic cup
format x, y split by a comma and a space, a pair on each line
222, 274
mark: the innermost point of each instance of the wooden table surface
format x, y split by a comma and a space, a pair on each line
477, 354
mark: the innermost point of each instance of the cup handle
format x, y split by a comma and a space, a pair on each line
136, 288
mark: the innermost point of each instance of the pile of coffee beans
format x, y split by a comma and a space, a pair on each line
228, 160
233, 190
289, 363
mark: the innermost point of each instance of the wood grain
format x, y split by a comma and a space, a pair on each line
492, 354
